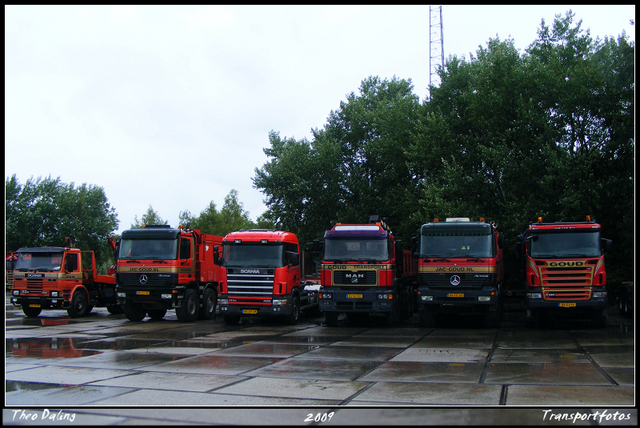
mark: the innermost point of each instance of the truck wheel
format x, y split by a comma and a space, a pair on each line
188, 311
427, 317
492, 317
31, 312
332, 319
114, 309
294, 317
79, 304
134, 311
208, 310
231, 319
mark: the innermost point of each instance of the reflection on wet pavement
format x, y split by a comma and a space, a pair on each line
106, 360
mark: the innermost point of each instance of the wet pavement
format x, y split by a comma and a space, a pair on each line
105, 370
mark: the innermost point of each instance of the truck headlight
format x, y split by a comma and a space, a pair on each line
165, 296
119, 294
534, 295
484, 298
54, 294
223, 301
325, 295
427, 298
279, 302
16, 292
599, 294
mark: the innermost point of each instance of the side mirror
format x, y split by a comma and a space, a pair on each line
608, 244
295, 259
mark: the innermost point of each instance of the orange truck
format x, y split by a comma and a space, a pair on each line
61, 278
460, 269
161, 268
8, 270
563, 267
365, 271
264, 277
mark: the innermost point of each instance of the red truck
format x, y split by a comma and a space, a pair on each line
365, 271
460, 269
61, 278
563, 268
264, 277
161, 268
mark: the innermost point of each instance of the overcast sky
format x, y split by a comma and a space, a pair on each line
171, 106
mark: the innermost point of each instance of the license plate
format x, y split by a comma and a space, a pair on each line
142, 293
34, 305
250, 311
455, 295
567, 305
354, 296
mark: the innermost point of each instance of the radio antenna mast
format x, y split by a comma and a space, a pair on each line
436, 44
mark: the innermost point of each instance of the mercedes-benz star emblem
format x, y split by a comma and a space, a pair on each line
454, 280
143, 279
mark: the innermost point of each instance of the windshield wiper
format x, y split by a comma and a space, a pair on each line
475, 259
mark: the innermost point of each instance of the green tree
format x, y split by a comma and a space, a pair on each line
231, 217
149, 217
44, 212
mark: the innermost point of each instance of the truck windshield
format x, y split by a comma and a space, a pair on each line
249, 255
356, 250
566, 244
456, 245
148, 249
40, 261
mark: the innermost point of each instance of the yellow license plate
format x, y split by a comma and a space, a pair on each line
34, 305
567, 305
250, 311
455, 295
354, 296
142, 293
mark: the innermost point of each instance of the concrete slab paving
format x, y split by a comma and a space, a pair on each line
264, 349
401, 393
535, 339
544, 373
556, 356
171, 381
178, 398
41, 394
563, 395
403, 371
212, 364
118, 360
299, 368
295, 388
377, 341
64, 375
365, 353
433, 355
622, 376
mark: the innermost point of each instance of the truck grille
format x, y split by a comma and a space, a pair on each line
250, 287
566, 283
35, 284
153, 280
355, 278
443, 280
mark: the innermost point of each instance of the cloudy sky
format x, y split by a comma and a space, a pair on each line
171, 106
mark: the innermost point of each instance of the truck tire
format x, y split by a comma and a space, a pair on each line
427, 317
188, 310
114, 309
134, 311
331, 319
31, 312
157, 314
208, 309
294, 317
79, 304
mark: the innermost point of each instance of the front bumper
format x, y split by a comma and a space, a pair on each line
455, 300
40, 302
165, 297
383, 300
283, 307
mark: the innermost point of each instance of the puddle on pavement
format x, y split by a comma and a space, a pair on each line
46, 348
